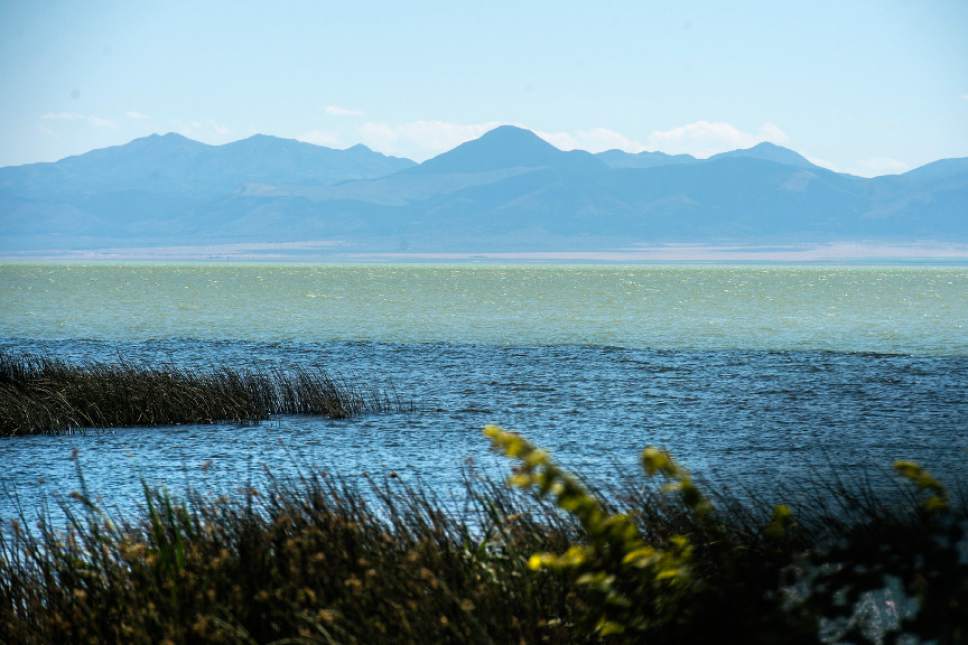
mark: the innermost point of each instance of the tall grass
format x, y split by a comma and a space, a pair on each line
41, 395
324, 560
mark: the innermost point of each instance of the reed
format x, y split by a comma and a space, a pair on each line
321, 559
42, 395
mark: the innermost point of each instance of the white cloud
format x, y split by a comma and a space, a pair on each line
421, 139
322, 138
964, 97
592, 140
90, 119
877, 166
134, 115
771, 132
700, 138
705, 138
337, 110
209, 131
823, 163
870, 167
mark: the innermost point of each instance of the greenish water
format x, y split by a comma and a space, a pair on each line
857, 309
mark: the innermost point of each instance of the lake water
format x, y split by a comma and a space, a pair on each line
748, 374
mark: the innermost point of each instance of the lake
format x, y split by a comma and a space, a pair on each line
747, 374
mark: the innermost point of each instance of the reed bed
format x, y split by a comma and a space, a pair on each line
324, 560
42, 395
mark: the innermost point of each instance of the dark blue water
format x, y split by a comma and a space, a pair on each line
752, 418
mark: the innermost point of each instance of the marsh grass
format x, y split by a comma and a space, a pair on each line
322, 559
313, 561
41, 395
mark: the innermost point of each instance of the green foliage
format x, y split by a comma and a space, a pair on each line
628, 584
664, 591
937, 500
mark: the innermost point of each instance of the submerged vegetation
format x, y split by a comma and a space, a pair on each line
323, 560
40, 395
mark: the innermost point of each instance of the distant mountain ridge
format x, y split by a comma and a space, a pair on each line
622, 159
507, 190
768, 152
172, 162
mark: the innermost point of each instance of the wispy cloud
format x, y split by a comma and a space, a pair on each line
705, 138
869, 167
338, 110
421, 139
823, 163
593, 140
700, 138
322, 138
134, 115
964, 97
877, 166
209, 131
90, 119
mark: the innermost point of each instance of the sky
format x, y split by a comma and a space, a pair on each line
868, 88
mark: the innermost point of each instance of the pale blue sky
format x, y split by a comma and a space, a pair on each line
864, 87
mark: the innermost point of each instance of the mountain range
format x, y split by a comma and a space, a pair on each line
507, 190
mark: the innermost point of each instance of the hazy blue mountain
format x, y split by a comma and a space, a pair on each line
502, 153
508, 147
509, 189
622, 159
950, 172
172, 163
768, 152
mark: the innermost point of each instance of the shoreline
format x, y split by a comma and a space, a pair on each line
675, 254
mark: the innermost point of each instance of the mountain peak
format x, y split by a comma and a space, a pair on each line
766, 145
505, 146
163, 144
258, 136
511, 139
261, 140
168, 138
512, 133
768, 152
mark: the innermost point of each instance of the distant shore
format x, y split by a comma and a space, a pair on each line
333, 251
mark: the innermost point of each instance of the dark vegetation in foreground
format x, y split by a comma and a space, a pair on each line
40, 395
322, 560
